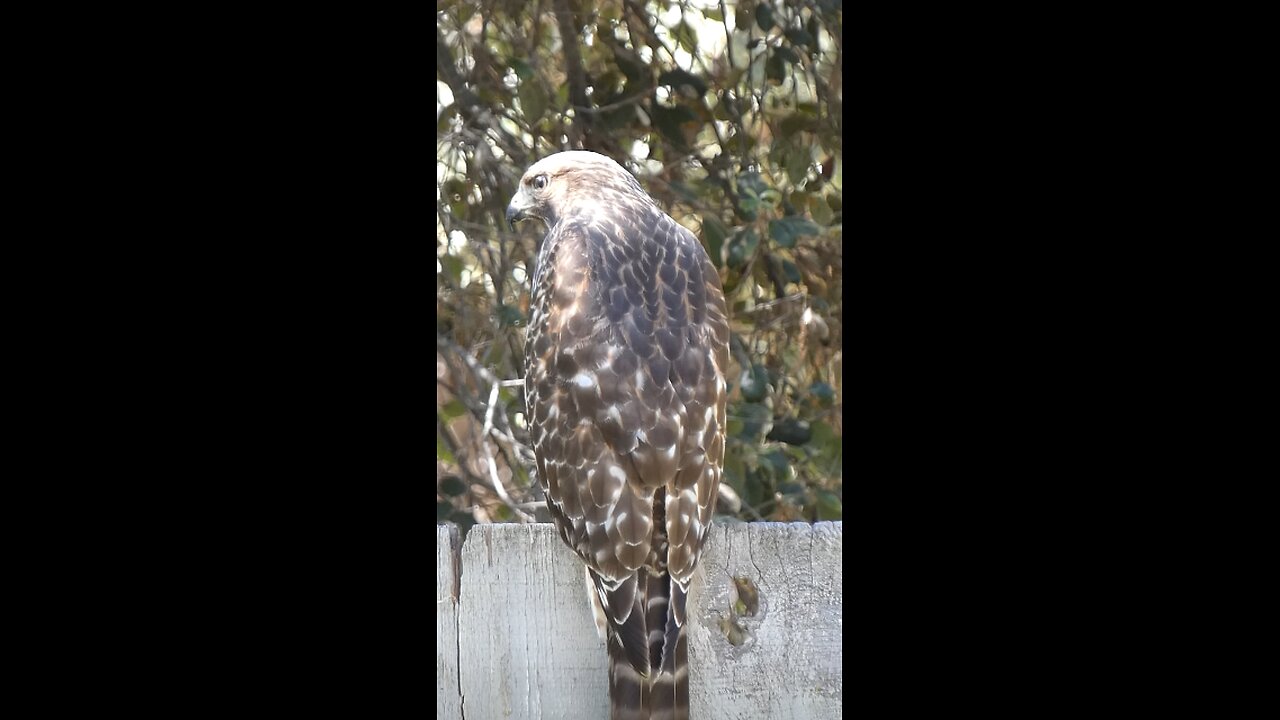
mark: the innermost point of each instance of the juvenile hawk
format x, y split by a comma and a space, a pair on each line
624, 380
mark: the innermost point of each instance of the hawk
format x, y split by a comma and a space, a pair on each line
625, 356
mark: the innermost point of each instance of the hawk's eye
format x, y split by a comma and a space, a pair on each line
539, 182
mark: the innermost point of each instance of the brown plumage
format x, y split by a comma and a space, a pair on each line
624, 380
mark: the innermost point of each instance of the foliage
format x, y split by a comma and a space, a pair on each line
731, 116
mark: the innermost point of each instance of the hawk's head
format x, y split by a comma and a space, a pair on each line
570, 183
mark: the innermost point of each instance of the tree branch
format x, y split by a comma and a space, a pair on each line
580, 128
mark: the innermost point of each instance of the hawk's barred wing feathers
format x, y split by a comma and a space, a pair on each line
625, 357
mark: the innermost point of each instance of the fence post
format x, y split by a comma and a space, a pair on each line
448, 699
765, 614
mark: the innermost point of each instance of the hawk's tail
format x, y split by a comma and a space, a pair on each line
628, 690
669, 696
665, 694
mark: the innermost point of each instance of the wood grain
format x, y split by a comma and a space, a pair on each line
448, 697
527, 645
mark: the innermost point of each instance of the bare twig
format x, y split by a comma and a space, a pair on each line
771, 303
501, 489
621, 103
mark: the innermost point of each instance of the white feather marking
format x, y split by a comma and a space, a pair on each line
597, 610
585, 380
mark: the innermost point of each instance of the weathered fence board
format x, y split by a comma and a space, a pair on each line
790, 662
528, 640
765, 614
448, 699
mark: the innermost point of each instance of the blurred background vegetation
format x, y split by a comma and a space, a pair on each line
730, 115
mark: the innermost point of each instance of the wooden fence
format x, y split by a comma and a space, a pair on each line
515, 637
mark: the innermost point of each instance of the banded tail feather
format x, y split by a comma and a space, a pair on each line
664, 693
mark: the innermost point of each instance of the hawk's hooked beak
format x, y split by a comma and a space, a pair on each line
513, 214
517, 210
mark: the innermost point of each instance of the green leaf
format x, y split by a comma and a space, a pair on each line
509, 316
507, 395
453, 486
776, 462
752, 183
452, 265
735, 473
677, 77
630, 63
830, 450
533, 100
811, 27
686, 36
764, 16
786, 230
445, 123
820, 210
754, 383
443, 453
751, 188
775, 68
792, 431
800, 36
753, 489
756, 421
829, 506
796, 122
684, 190
793, 491
742, 247
524, 70
669, 120
798, 165
824, 392
797, 199
790, 271
454, 408
714, 231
